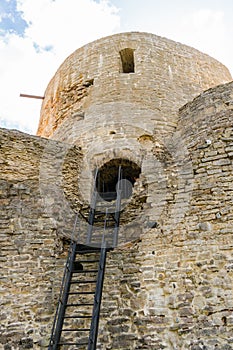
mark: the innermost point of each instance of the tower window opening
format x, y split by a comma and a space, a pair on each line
127, 60
107, 180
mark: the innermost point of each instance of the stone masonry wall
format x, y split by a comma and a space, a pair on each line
167, 287
173, 289
91, 104
31, 240
171, 286
90, 82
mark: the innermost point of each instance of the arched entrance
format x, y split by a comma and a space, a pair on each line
108, 178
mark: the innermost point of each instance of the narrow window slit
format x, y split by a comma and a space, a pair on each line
127, 60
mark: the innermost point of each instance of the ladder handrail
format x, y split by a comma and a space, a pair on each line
97, 299
91, 217
117, 208
67, 276
59, 315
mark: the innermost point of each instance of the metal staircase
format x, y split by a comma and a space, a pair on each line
77, 316
104, 215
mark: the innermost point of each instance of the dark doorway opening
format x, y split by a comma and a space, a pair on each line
108, 178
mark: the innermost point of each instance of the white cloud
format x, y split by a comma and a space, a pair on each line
21, 70
204, 26
27, 63
204, 29
207, 18
65, 25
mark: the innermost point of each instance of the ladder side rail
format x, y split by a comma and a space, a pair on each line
119, 178
105, 223
59, 316
91, 217
64, 299
117, 219
60, 310
117, 208
97, 299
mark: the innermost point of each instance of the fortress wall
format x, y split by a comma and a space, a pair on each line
173, 289
206, 128
31, 255
167, 287
200, 154
90, 103
168, 294
166, 76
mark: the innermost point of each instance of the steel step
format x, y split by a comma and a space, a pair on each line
74, 316
85, 271
76, 344
88, 261
86, 249
81, 293
76, 330
83, 282
79, 304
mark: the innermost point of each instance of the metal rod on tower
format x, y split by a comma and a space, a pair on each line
32, 96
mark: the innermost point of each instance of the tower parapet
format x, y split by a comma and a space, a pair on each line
129, 76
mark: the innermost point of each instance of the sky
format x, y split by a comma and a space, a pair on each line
37, 35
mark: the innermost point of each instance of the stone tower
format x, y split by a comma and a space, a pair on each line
163, 111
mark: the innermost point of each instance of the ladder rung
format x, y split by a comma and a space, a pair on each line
75, 293
73, 316
76, 330
90, 251
80, 304
86, 249
88, 261
108, 235
100, 219
85, 271
77, 344
82, 282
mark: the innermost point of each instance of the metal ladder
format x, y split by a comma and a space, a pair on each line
110, 214
77, 316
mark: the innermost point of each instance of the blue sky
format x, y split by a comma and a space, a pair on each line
11, 19
37, 35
